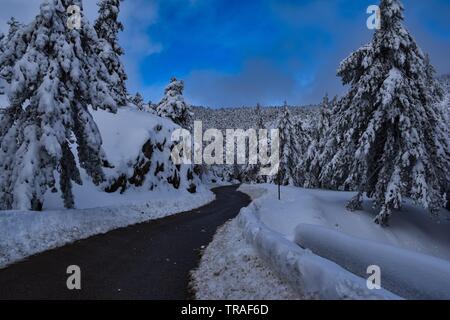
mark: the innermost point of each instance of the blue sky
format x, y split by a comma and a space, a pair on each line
240, 52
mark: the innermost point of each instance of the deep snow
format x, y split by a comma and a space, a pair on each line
412, 228
409, 274
413, 252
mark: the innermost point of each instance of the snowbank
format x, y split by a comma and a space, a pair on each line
414, 237
253, 191
312, 276
23, 234
230, 269
408, 274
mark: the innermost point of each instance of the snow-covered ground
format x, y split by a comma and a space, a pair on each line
309, 246
413, 237
26, 233
412, 228
231, 269
409, 274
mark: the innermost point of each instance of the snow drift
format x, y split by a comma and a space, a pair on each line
412, 252
408, 274
312, 276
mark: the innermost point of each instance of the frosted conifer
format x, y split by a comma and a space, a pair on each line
54, 73
388, 138
174, 106
108, 28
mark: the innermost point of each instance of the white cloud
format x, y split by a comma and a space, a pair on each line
138, 16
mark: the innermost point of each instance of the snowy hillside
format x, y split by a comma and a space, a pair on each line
137, 146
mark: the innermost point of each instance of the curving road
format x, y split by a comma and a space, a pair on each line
146, 261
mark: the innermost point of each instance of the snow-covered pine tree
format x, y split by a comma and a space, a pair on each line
108, 27
310, 165
54, 74
259, 117
138, 101
2, 49
2, 44
388, 138
250, 172
14, 26
12, 46
288, 148
303, 132
173, 105
435, 86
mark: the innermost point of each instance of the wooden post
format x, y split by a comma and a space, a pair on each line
279, 186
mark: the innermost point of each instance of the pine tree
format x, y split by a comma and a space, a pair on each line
388, 138
251, 172
2, 44
14, 26
288, 148
303, 139
311, 162
173, 105
12, 47
108, 27
2, 49
259, 117
435, 87
54, 74
138, 101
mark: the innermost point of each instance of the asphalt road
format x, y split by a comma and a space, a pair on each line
145, 261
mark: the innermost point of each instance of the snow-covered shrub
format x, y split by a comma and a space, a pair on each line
173, 105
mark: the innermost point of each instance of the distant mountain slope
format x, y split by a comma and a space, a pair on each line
246, 117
